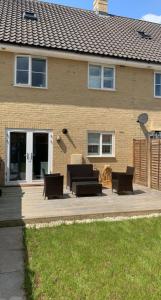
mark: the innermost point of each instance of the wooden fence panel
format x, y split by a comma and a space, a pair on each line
140, 158
156, 164
141, 162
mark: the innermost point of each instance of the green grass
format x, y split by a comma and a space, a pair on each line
97, 261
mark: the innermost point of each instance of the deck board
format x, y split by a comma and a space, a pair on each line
27, 204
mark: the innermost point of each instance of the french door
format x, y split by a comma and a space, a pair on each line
29, 152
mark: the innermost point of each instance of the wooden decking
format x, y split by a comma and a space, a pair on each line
27, 205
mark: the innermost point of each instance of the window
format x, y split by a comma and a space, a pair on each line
30, 15
157, 84
144, 35
101, 77
30, 71
101, 144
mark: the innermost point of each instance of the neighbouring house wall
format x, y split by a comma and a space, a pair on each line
68, 103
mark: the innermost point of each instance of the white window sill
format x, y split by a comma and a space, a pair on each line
157, 97
102, 89
29, 86
100, 156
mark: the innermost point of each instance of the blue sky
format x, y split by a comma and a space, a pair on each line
130, 8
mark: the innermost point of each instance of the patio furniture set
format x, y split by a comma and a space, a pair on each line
83, 180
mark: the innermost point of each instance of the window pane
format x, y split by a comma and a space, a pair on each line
108, 72
22, 77
93, 149
108, 84
38, 65
108, 81
93, 138
158, 78
22, 63
107, 149
38, 79
94, 76
107, 139
158, 90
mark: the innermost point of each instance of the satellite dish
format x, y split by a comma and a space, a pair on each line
143, 119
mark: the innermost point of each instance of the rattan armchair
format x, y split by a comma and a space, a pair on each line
53, 186
123, 182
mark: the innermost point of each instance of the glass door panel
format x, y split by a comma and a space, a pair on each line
40, 154
17, 156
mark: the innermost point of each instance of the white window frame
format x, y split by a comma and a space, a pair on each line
102, 77
155, 73
29, 85
101, 134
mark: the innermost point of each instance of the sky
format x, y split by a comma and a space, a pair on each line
149, 10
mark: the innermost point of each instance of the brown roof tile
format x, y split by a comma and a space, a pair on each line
82, 31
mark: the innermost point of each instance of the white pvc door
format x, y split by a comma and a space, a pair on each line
28, 153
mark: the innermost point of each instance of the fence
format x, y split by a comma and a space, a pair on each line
155, 164
140, 158
147, 162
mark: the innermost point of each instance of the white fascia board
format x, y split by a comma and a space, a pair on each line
78, 57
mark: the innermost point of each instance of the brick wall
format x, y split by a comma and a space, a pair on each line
68, 103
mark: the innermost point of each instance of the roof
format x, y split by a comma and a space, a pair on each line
76, 30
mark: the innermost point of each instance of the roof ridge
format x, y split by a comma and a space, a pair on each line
140, 20
91, 11
62, 5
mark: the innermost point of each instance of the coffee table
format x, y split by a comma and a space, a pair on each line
86, 188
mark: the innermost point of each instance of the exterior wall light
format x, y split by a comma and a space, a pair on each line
58, 138
65, 131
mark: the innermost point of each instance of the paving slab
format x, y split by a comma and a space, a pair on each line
26, 204
11, 264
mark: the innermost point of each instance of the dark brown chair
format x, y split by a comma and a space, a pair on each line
81, 173
123, 182
44, 174
53, 186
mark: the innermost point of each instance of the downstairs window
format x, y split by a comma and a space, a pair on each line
101, 144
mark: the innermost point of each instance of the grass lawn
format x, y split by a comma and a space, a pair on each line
97, 261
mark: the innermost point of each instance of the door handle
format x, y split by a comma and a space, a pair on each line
29, 156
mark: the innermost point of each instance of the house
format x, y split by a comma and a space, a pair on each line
73, 81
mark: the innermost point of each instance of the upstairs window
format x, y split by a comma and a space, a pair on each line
101, 77
157, 84
101, 144
30, 71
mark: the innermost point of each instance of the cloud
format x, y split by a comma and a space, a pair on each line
152, 18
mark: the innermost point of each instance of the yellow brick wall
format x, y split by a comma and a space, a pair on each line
68, 103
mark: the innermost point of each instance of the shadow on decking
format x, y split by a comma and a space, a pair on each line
11, 206
138, 192
134, 193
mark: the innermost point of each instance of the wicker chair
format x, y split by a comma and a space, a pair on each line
123, 182
44, 174
53, 186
